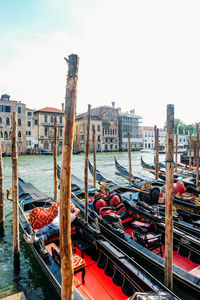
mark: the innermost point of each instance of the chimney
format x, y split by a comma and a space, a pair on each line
62, 104
113, 104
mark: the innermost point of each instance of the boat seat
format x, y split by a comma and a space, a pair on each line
109, 215
195, 272
150, 240
79, 263
136, 224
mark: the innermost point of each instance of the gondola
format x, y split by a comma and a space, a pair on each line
188, 201
101, 270
187, 178
126, 226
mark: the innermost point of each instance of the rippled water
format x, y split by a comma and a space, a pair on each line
38, 170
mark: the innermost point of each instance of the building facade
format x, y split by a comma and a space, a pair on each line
7, 107
149, 138
44, 128
130, 123
110, 126
80, 134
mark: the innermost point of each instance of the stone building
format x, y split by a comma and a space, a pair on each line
80, 134
7, 107
149, 138
30, 140
44, 128
110, 134
130, 123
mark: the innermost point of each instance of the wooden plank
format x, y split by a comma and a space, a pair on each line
17, 296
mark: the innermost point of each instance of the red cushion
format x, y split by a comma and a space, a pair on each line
39, 217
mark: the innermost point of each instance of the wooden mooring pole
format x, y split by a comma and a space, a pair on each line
176, 153
156, 133
169, 197
190, 158
197, 158
94, 158
129, 158
67, 290
86, 163
55, 159
1, 195
15, 193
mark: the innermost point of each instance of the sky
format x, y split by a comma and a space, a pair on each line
142, 55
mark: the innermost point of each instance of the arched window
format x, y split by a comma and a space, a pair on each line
10, 135
45, 131
7, 121
19, 122
0, 120
1, 134
60, 132
19, 134
5, 135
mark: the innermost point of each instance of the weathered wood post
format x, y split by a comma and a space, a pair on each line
94, 158
1, 195
156, 133
195, 154
67, 290
176, 153
169, 197
190, 158
197, 159
86, 163
15, 193
129, 158
55, 158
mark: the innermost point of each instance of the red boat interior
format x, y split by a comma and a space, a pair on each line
97, 285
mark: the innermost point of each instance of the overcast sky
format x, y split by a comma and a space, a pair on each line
141, 54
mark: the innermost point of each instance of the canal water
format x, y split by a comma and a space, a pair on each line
38, 170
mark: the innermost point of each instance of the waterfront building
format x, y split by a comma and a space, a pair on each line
44, 128
7, 107
130, 123
149, 138
80, 134
110, 126
30, 140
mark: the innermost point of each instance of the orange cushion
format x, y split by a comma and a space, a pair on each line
39, 217
78, 262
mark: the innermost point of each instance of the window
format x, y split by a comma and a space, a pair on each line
1, 134
7, 108
0, 120
93, 128
29, 113
19, 109
29, 123
45, 119
19, 122
45, 131
110, 113
76, 127
99, 138
7, 121
1, 108
98, 127
19, 134
60, 120
51, 119
60, 131
36, 122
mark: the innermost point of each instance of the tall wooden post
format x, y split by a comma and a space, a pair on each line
94, 156
65, 181
86, 163
129, 158
55, 158
1, 195
176, 153
190, 144
156, 133
195, 154
15, 193
169, 197
197, 157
